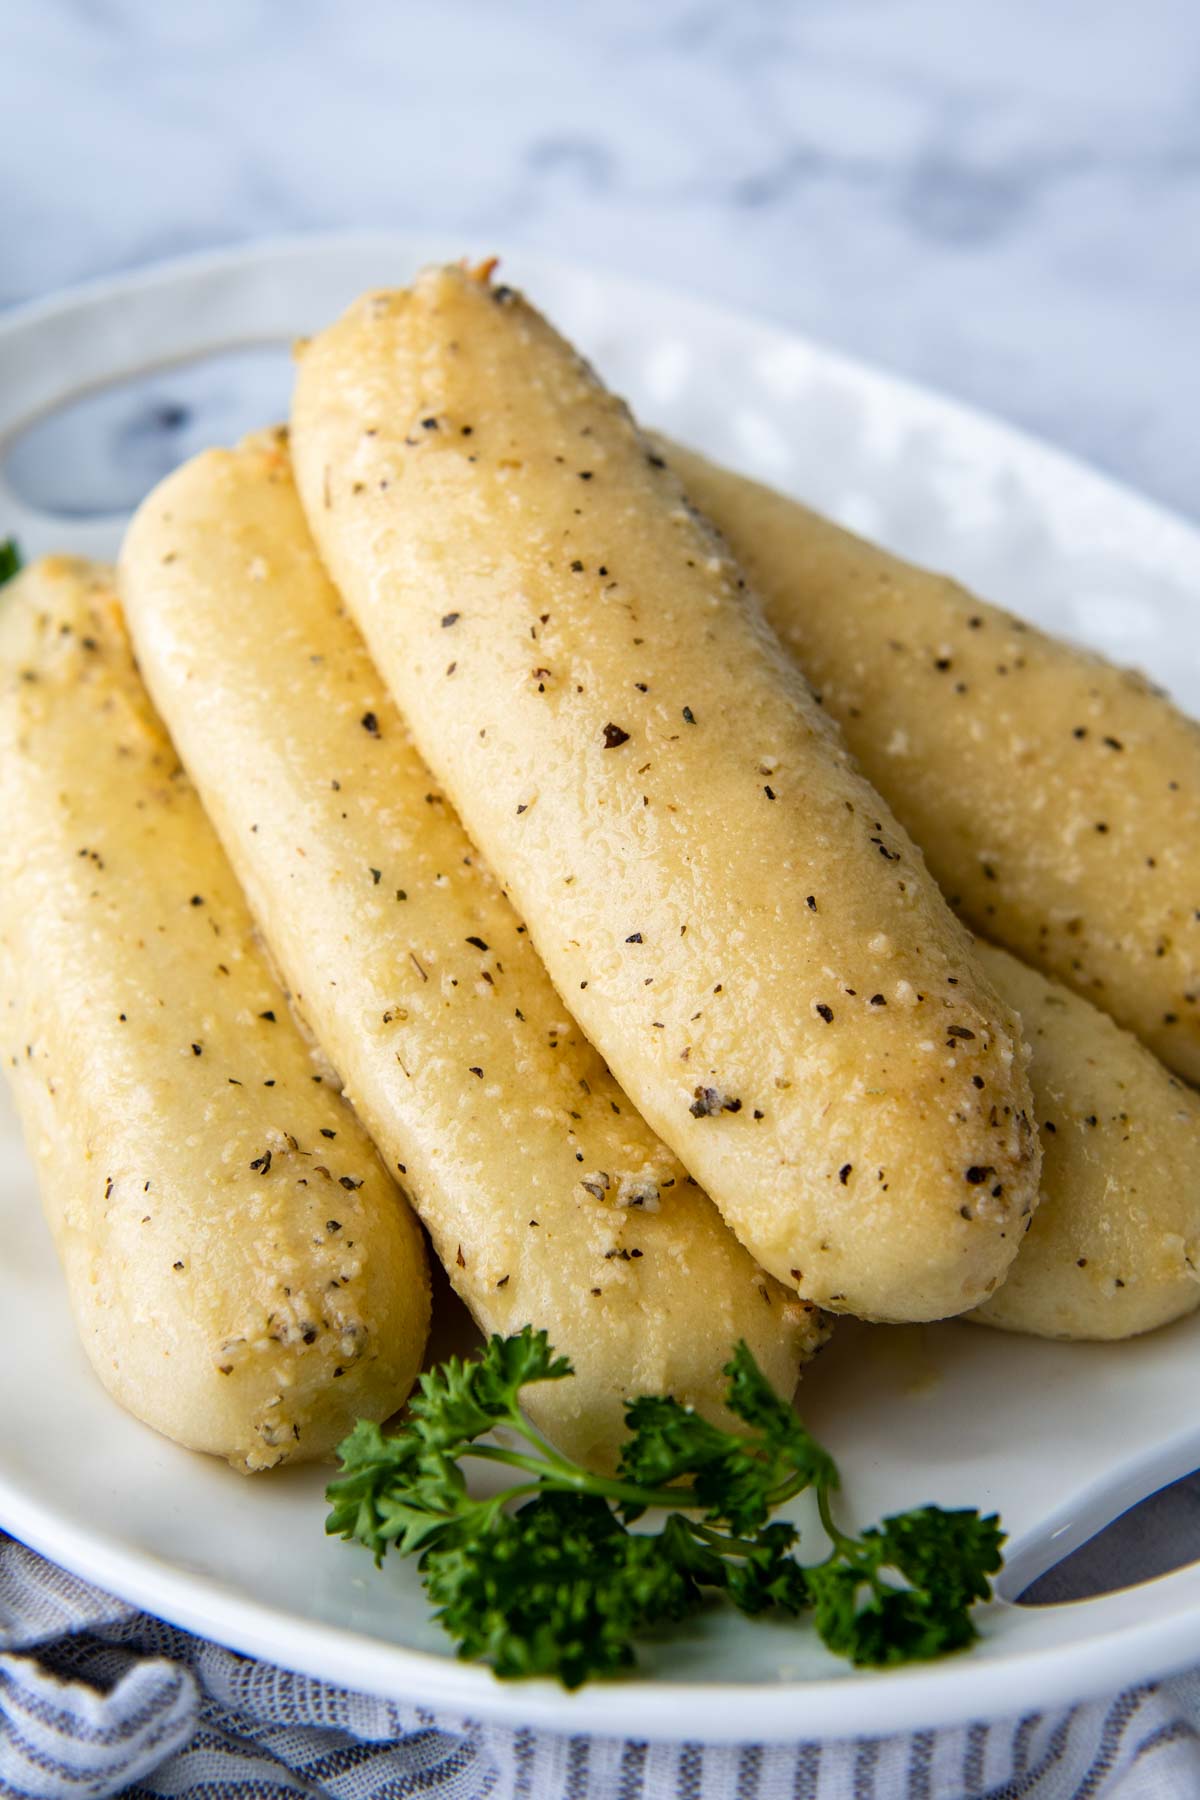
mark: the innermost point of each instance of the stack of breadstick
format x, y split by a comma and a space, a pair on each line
498, 818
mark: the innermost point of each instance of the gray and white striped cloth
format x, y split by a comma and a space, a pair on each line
99, 1699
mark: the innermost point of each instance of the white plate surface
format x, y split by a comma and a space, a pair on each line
1059, 1438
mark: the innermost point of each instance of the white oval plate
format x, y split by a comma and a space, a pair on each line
1059, 1438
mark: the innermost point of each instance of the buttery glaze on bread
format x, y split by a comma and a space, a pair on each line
1056, 797
244, 1276
1115, 1246
548, 1199
735, 918
1114, 1249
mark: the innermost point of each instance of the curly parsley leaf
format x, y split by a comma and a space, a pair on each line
460, 1399
11, 560
545, 1578
558, 1587
755, 1401
668, 1440
954, 1552
738, 1479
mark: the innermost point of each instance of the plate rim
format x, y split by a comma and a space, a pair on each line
955, 1691
430, 246
658, 1709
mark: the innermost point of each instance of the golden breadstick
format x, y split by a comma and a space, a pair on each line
1114, 1248
1056, 797
733, 915
548, 1199
243, 1273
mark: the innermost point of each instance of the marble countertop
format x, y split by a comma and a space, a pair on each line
1000, 198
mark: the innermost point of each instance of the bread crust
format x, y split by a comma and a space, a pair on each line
548, 1200
1056, 796
737, 921
244, 1275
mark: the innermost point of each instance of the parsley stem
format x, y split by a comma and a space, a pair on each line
517, 1459
787, 1490
572, 1478
846, 1545
721, 1541
520, 1424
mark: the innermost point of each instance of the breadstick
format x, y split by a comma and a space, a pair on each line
1114, 1248
547, 1198
732, 914
1056, 797
244, 1276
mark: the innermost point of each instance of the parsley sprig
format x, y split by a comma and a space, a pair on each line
11, 561
544, 1577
